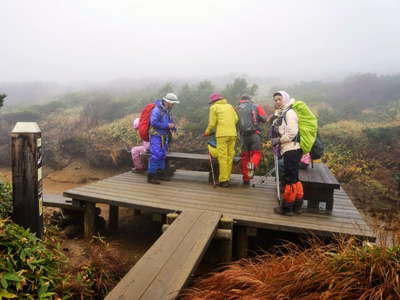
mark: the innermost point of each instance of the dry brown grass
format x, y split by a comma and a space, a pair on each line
104, 268
345, 270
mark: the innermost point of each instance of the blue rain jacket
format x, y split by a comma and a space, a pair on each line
160, 118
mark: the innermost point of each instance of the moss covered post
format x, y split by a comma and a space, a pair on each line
26, 163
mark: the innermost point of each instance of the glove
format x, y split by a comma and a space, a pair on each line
206, 134
276, 141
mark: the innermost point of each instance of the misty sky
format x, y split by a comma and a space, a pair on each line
104, 40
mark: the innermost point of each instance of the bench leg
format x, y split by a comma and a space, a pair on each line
113, 218
89, 219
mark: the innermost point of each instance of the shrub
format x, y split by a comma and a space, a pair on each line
28, 268
5, 200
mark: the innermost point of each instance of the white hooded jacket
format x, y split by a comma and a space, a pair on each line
290, 124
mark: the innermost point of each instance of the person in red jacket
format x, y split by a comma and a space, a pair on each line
251, 115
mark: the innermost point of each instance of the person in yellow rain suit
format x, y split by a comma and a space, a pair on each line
222, 120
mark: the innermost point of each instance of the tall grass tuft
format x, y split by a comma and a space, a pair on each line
345, 270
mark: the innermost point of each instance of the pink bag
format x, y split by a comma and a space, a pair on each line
305, 161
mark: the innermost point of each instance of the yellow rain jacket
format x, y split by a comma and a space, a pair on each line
222, 119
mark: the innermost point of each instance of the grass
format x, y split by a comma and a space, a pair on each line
344, 270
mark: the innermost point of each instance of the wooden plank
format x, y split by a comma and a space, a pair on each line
191, 156
319, 175
162, 270
175, 273
141, 276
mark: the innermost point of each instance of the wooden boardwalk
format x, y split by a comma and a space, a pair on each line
247, 206
166, 267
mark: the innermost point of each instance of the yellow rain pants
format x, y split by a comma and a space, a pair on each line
225, 155
213, 151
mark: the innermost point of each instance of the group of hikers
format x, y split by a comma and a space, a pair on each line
226, 125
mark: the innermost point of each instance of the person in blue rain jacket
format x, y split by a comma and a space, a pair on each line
161, 125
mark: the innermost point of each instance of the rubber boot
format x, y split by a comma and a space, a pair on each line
162, 175
225, 184
286, 209
152, 178
298, 204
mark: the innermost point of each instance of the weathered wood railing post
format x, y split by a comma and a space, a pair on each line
26, 161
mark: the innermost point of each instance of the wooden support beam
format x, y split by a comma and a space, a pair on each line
26, 165
241, 242
171, 217
89, 219
251, 231
113, 218
225, 244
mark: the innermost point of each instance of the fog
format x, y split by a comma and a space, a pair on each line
75, 40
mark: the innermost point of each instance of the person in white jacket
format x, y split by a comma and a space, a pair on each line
287, 138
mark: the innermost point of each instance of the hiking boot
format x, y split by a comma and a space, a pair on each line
152, 178
250, 169
298, 206
286, 211
163, 176
224, 184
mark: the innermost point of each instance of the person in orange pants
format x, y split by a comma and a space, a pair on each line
251, 115
285, 130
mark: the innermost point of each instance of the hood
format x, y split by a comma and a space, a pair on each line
285, 99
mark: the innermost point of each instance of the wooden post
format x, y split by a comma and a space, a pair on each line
26, 161
171, 217
241, 242
113, 218
226, 226
90, 216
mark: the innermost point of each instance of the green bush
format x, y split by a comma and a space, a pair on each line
5, 200
28, 269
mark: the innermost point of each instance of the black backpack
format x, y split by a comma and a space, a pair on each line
247, 113
317, 149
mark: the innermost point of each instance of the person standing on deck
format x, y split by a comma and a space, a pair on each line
222, 121
250, 117
161, 125
285, 130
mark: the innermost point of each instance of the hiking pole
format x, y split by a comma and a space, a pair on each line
276, 162
212, 169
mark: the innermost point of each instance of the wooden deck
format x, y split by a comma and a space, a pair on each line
247, 206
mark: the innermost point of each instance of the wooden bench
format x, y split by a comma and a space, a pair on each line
191, 156
166, 267
319, 184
